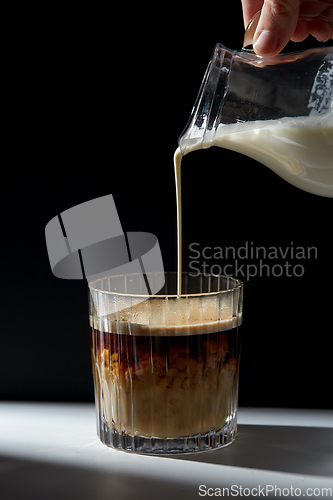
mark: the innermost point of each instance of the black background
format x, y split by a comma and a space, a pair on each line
97, 102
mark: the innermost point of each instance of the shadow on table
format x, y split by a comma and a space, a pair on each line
29, 479
299, 450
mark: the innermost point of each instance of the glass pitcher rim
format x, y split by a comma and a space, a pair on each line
265, 59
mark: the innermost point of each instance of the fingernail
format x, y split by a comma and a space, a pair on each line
251, 30
266, 43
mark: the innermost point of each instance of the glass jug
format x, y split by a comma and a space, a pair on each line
277, 110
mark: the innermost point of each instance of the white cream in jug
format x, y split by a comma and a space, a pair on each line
299, 150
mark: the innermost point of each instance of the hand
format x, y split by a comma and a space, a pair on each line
284, 20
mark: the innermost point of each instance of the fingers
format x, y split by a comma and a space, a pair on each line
316, 19
277, 24
250, 8
314, 9
284, 20
321, 29
301, 31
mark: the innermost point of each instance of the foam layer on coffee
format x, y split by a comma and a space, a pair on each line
167, 315
102, 324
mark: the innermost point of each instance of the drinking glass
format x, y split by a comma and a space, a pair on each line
166, 366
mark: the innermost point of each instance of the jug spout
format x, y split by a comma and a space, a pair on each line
240, 88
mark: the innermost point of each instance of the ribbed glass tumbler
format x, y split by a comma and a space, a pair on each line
166, 366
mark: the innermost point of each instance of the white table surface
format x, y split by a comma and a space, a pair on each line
51, 451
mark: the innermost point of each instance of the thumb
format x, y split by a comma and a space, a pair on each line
276, 26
